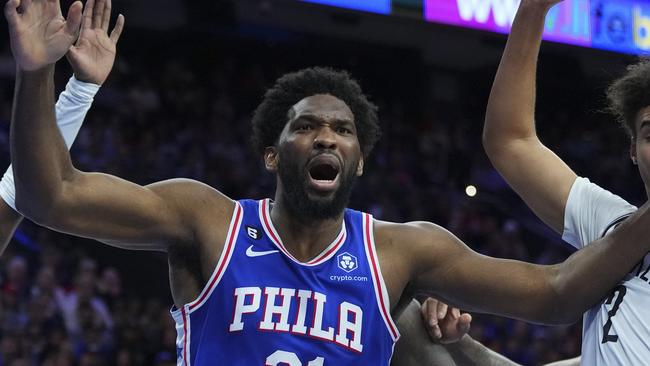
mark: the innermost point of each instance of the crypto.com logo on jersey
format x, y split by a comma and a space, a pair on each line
567, 22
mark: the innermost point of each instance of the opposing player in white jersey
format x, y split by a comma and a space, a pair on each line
617, 330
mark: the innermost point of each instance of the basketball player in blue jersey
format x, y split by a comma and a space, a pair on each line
616, 330
299, 280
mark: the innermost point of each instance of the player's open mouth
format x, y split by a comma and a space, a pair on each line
324, 172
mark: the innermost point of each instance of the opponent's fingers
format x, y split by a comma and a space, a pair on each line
464, 323
11, 12
106, 19
87, 20
98, 13
73, 21
117, 31
441, 310
429, 308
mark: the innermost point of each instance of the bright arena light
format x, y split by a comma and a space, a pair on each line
471, 191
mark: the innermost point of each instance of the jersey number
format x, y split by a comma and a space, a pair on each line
621, 290
278, 358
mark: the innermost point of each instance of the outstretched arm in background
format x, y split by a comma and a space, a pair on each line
440, 321
91, 62
539, 176
97, 206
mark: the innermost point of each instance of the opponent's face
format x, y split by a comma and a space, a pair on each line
640, 148
317, 157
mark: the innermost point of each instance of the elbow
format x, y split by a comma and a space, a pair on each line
41, 211
564, 306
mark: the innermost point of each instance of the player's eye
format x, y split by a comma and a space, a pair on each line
344, 130
304, 127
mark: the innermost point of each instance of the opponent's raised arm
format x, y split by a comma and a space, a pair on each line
51, 191
552, 294
71, 108
539, 176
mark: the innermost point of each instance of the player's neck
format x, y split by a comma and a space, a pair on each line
304, 238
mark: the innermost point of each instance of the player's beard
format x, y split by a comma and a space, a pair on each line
313, 207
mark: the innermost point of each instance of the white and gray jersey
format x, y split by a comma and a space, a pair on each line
616, 331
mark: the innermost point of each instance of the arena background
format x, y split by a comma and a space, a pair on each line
178, 104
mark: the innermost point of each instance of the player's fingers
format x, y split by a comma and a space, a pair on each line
106, 19
441, 311
117, 31
455, 313
98, 13
464, 323
429, 312
73, 20
87, 20
11, 11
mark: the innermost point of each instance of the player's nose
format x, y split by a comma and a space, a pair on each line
325, 138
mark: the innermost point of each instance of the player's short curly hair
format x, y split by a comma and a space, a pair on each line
629, 94
272, 114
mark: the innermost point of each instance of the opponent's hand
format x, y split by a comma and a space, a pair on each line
39, 33
93, 55
444, 324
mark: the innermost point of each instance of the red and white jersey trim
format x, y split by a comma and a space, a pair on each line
381, 294
186, 337
327, 253
222, 264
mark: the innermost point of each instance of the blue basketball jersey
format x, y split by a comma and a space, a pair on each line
261, 306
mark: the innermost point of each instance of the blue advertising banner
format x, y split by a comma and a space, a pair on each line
374, 6
621, 25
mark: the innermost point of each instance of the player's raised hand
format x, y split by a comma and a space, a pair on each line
93, 55
39, 33
444, 324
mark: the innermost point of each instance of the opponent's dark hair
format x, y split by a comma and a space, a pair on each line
629, 94
272, 114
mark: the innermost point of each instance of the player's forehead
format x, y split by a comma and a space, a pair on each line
324, 107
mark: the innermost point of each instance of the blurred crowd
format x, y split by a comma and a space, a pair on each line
186, 113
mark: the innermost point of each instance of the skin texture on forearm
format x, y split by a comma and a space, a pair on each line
470, 352
40, 159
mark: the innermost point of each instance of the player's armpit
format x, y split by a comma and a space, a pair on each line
130, 216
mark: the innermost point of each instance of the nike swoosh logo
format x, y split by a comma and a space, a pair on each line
251, 253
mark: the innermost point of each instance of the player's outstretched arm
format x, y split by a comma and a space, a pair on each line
463, 351
552, 294
415, 347
50, 191
91, 62
539, 176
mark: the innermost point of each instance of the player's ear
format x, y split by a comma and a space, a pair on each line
271, 159
633, 150
360, 167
